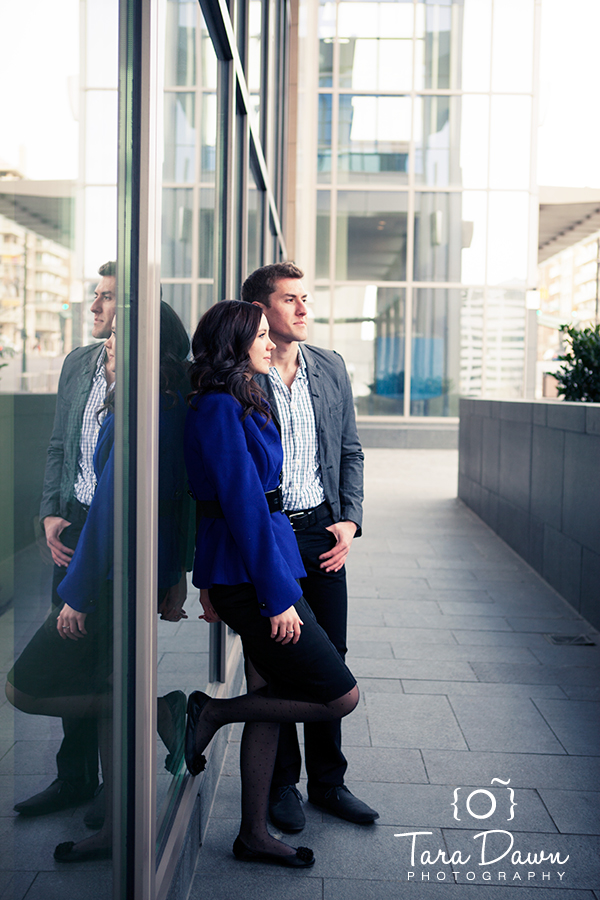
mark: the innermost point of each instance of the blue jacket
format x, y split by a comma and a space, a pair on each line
235, 462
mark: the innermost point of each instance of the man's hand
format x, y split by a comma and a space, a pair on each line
71, 624
210, 614
286, 626
171, 606
334, 559
54, 527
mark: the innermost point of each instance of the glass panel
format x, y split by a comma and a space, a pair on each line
326, 38
56, 499
255, 223
324, 149
508, 237
375, 20
208, 138
474, 122
474, 230
374, 137
179, 297
471, 342
438, 33
371, 236
434, 380
180, 44
477, 47
319, 312
177, 219
206, 233
438, 237
376, 63
323, 232
505, 343
254, 66
510, 143
180, 137
512, 58
437, 141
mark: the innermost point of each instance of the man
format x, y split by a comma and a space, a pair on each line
311, 400
69, 485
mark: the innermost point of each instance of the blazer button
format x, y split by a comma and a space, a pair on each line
263, 605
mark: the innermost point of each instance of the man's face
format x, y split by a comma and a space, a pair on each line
103, 307
287, 313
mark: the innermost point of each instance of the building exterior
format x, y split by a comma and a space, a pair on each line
417, 203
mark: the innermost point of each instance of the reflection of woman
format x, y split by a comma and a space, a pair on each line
66, 669
247, 556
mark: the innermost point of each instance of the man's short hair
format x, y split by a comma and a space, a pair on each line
108, 269
258, 286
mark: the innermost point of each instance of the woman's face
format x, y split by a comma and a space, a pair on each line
110, 345
260, 351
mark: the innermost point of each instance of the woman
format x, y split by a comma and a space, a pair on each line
66, 669
247, 556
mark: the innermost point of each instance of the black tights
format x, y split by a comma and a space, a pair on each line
262, 715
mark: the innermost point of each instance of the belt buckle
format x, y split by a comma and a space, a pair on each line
295, 515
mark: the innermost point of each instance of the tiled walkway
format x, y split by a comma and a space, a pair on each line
459, 687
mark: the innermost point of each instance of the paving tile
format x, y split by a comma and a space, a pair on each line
514, 673
509, 724
253, 885
454, 653
525, 770
399, 635
576, 723
84, 884
412, 668
344, 889
574, 812
581, 853
499, 638
582, 692
373, 649
14, 885
482, 689
571, 625
397, 720
568, 656
385, 764
465, 623
387, 685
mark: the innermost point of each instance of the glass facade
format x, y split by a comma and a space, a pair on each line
167, 162
421, 169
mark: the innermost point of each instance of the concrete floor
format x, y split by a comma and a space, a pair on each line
459, 687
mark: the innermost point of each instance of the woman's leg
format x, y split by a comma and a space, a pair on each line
68, 707
257, 758
257, 707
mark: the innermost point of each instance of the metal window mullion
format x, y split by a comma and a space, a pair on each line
335, 116
410, 231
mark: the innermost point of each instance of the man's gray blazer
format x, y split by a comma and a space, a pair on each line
340, 452
74, 388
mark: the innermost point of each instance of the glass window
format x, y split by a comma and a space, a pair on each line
512, 57
180, 44
438, 29
180, 137
324, 138
373, 138
510, 142
438, 237
255, 223
437, 141
357, 18
208, 137
177, 232
471, 341
323, 234
476, 45
326, 41
505, 343
376, 63
435, 353
371, 236
473, 233
474, 143
508, 237
254, 64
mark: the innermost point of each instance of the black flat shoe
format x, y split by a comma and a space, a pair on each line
303, 858
68, 852
172, 736
194, 761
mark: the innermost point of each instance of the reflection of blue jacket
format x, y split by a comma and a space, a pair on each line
92, 562
235, 462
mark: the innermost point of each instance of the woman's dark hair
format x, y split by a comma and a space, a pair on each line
174, 351
220, 349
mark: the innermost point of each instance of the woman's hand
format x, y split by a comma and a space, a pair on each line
286, 626
171, 606
71, 624
210, 614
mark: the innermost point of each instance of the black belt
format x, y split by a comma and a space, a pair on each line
211, 509
303, 518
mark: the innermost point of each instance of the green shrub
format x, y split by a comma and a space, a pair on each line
579, 376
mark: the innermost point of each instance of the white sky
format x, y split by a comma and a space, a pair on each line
40, 56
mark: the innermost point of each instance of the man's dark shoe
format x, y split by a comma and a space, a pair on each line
285, 809
94, 817
59, 795
338, 801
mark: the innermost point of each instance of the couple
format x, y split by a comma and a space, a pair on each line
247, 553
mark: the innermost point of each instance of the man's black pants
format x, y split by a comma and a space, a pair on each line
326, 594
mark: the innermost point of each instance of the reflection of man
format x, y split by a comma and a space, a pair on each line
69, 485
310, 395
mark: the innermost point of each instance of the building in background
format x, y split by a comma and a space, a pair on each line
416, 195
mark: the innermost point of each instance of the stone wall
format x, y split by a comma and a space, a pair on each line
531, 471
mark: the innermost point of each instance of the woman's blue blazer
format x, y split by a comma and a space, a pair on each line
235, 461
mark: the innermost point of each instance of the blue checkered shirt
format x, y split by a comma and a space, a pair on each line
301, 480
85, 483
